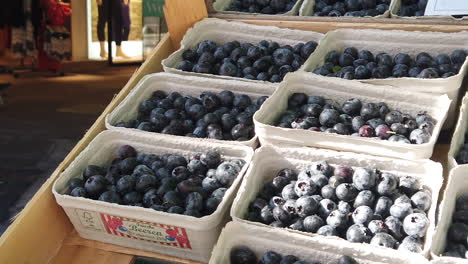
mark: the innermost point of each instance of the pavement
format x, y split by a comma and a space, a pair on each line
42, 118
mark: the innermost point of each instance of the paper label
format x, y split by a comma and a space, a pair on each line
167, 235
446, 7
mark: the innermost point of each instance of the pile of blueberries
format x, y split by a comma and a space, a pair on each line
362, 64
354, 8
412, 8
244, 255
266, 61
371, 120
457, 236
269, 7
462, 156
361, 205
222, 116
170, 183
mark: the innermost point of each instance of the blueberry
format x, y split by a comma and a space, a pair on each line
362, 214
346, 60
378, 226
327, 230
411, 244
384, 240
326, 206
228, 69
381, 72
132, 198
364, 198
346, 192
75, 182
95, 185
395, 226
458, 56
329, 117
352, 106
346, 260
337, 219
312, 109
306, 206
304, 188
421, 200
416, 225
328, 192
281, 215
288, 173
277, 201
357, 123
384, 59
78, 192
279, 182
428, 73
219, 193
387, 184
321, 167
175, 210
271, 257
290, 207
401, 210
369, 111
419, 136
151, 198
313, 223
145, 182
290, 259
364, 179
242, 255
283, 56
358, 233
308, 48
110, 197
457, 232
361, 72
211, 204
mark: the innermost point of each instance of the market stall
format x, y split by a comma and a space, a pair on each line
43, 232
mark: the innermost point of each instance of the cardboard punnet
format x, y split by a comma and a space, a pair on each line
307, 9
143, 228
458, 138
221, 6
457, 186
268, 160
394, 42
185, 85
339, 91
395, 9
261, 239
221, 31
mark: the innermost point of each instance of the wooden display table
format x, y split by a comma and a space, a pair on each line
42, 233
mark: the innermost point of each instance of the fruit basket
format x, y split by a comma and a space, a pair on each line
268, 160
458, 138
215, 30
393, 42
23, 241
308, 7
339, 91
186, 85
223, 6
237, 234
145, 228
450, 208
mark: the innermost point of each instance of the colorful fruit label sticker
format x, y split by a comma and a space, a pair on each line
151, 232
